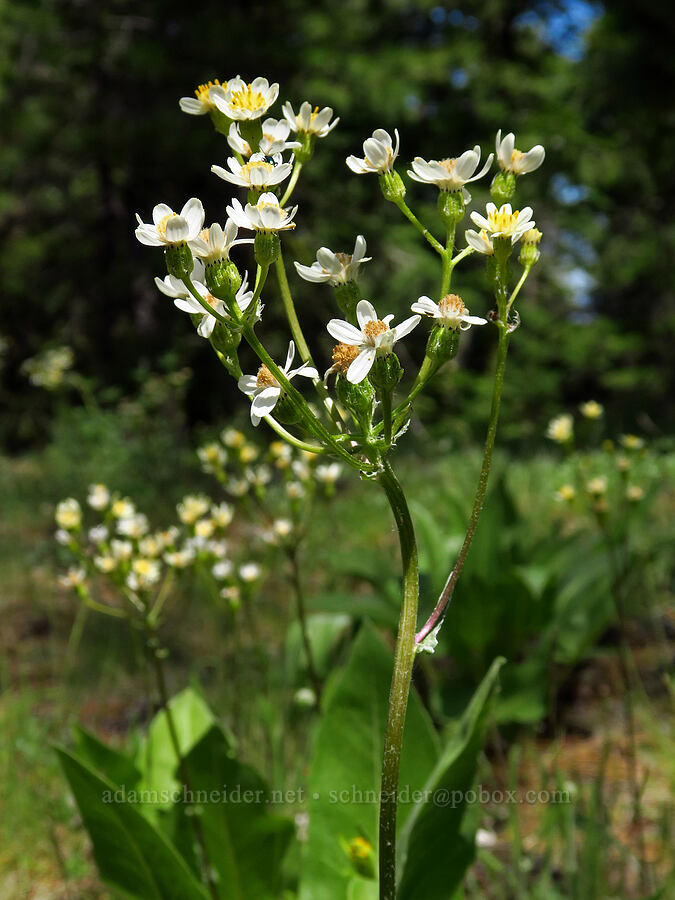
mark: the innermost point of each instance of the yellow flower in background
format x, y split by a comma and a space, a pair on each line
68, 514
591, 409
565, 493
632, 442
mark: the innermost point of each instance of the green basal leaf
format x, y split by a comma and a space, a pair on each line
131, 855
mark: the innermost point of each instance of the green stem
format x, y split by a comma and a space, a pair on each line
307, 417
516, 290
404, 657
299, 338
447, 266
157, 655
385, 398
409, 214
479, 498
260, 279
291, 438
291, 184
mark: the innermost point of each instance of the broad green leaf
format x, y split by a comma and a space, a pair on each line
245, 840
344, 782
362, 889
108, 762
156, 757
436, 846
131, 855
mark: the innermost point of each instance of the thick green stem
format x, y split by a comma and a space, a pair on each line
404, 658
447, 266
479, 498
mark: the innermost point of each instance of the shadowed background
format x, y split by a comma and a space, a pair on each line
92, 133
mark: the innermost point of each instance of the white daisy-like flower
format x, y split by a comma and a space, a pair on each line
243, 101
123, 508
373, 337
192, 507
265, 390
450, 174
73, 578
335, 268
259, 173
310, 121
170, 227
98, 534
217, 548
250, 572
150, 545
378, 154
512, 160
597, 486
61, 536
203, 101
213, 244
121, 549
184, 301
68, 514
204, 528
504, 222
275, 133
212, 456
561, 428
105, 564
144, 573
328, 473
450, 312
133, 526
480, 241
282, 528
222, 514
294, 490
179, 559
266, 215
98, 496
222, 569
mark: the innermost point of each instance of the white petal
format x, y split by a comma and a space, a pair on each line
365, 312
193, 213
265, 401
309, 273
177, 230
357, 165
426, 306
405, 327
206, 326
192, 106
248, 384
147, 234
363, 363
161, 211
328, 260
344, 332
290, 355
473, 320
359, 249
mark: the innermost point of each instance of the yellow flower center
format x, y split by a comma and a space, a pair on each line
161, 225
344, 258
202, 92
373, 328
247, 98
516, 157
142, 567
451, 306
265, 378
500, 220
314, 114
255, 164
344, 355
448, 165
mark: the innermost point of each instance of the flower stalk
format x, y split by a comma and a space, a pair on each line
404, 657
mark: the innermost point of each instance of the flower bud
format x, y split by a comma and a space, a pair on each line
386, 372
451, 207
179, 262
347, 296
225, 339
358, 399
443, 344
529, 251
267, 247
223, 280
392, 186
503, 187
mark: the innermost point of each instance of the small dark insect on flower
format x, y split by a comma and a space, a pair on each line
270, 160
